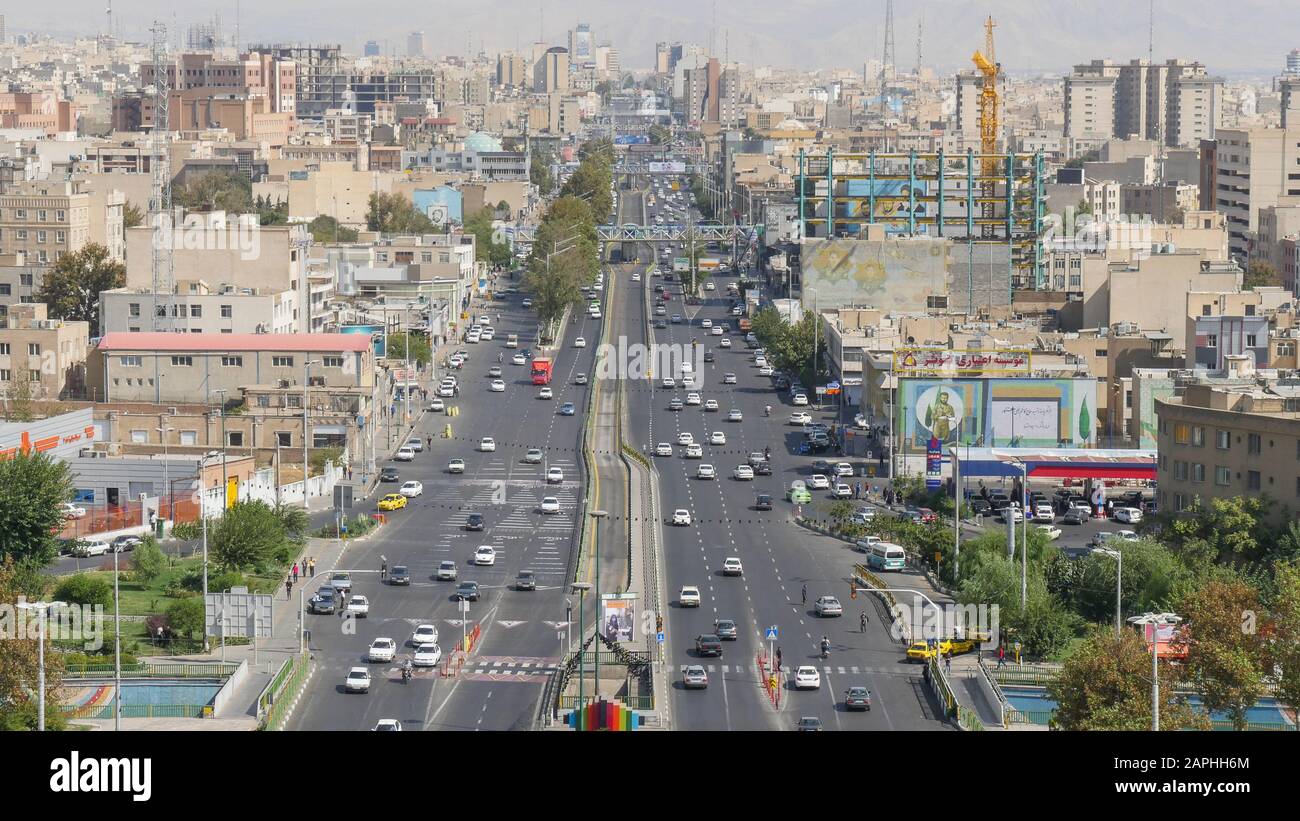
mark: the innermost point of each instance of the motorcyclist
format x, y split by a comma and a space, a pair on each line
826, 647
407, 670
767, 410
501, 358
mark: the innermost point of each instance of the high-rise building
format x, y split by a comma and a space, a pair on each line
1176, 103
582, 49
552, 71
1292, 58
415, 44
662, 58
512, 70
1289, 85
371, 49
1252, 168
967, 116
1090, 101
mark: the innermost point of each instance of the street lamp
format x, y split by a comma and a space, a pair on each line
117, 645
306, 467
1119, 579
1155, 620
1024, 533
581, 588
42, 612
597, 516
167, 486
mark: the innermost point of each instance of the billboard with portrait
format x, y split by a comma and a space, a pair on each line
1028, 412
618, 616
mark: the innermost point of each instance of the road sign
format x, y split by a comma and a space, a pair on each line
242, 615
660, 637
342, 497
772, 633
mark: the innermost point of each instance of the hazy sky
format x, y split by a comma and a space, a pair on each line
1032, 35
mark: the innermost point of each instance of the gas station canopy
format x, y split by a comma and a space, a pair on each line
1057, 463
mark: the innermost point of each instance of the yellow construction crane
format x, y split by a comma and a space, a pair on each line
986, 62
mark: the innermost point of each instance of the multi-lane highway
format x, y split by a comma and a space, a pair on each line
500, 686
777, 557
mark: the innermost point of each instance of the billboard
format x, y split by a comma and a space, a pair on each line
681, 265
994, 412
667, 168
376, 335
932, 361
618, 616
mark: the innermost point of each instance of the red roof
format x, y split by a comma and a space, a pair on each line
233, 342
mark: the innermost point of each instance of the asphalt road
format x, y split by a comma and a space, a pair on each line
779, 560
500, 686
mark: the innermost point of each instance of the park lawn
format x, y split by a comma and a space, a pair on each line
147, 600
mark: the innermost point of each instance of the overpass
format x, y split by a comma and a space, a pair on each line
523, 236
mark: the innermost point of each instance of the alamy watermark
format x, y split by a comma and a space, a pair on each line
201, 232
1072, 231
924, 621
20, 621
638, 361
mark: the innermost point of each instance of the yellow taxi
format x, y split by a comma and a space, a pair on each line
392, 501
921, 651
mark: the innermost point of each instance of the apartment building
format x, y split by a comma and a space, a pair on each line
48, 355
192, 368
1089, 101
269, 76
551, 72
19, 281
1176, 103
39, 110
46, 219
1164, 202
1219, 442
226, 309
1252, 169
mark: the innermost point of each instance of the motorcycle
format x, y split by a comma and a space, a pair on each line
826, 651
767, 410
407, 672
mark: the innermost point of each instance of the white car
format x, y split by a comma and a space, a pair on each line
446, 390
687, 367
534, 456
694, 451
688, 381
669, 382
447, 571
800, 418
729, 379
71, 511
726, 342
710, 404
436, 406
1043, 513
819, 482
411, 489
706, 323
579, 343
550, 504
359, 606
800, 399
663, 449
487, 334
807, 678
1127, 515
518, 359
1051, 531
689, 597
456, 466
843, 469
636, 277
692, 399
717, 438
497, 386
494, 372
405, 454
424, 634
91, 547
545, 393
744, 473
734, 415
766, 370
1128, 536
487, 445
426, 655
716, 330
685, 438
732, 567
554, 476
387, 725
706, 472
358, 680
681, 517
485, 556
842, 491
382, 650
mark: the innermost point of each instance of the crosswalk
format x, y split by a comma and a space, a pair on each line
517, 669
742, 669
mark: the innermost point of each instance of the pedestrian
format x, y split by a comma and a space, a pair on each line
778, 659
349, 473
1002, 656
313, 567
428, 442
947, 662
805, 594
383, 570
295, 571
288, 588
862, 622
925, 673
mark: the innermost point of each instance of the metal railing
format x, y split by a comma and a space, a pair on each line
278, 709
105, 711
142, 670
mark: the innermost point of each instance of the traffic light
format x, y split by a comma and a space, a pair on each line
853, 589
659, 624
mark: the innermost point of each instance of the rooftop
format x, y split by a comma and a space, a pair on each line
151, 341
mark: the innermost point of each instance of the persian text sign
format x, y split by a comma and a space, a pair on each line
917, 361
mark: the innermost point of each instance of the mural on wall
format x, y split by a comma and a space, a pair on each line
889, 275
1027, 412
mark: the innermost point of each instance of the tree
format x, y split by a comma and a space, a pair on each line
33, 487
421, 353
186, 616
1105, 684
147, 562
327, 229
539, 171
1284, 647
132, 216
1260, 274
19, 662
1233, 529
1084, 207
1151, 576
488, 246
71, 288
394, 214
85, 588
660, 134
216, 191
1225, 650
248, 534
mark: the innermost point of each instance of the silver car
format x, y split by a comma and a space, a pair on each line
829, 606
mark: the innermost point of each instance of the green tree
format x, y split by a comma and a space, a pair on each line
325, 229
1284, 647
420, 350
1151, 577
85, 588
132, 215
1105, 684
1260, 273
539, 171
19, 661
216, 191
394, 214
1233, 528
71, 288
1225, 654
660, 134
186, 617
247, 535
33, 487
488, 246
147, 562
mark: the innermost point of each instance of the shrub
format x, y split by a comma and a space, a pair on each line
85, 588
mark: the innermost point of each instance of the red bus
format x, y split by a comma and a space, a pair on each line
541, 371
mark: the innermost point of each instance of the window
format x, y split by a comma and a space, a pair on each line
60, 237
1222, 440
1128, 399
1198, 472
333, 361
1198, 437
232, 361
282, 361
4, 348
196, 311
182, 361
61, 216
263, 401
936, 302
1205, 310
1180, 503
1222, 476
6, 375
1252, 480
1253, 443
135, 309
235, 438
1211, 340
6, 289
189, 437
226, 312
1180, 471
139, 437
1250, 310
41, 236
33, 349
284, 438
137, 361
1182, 433
293, 400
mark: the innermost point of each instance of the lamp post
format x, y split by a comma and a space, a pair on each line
306, 433
117, 647
597, 516
956, 510
167, 485
225, 480
1024, 533
581, 588
42, 610
1155, 620
1119, 579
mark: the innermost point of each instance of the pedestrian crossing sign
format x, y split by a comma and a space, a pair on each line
771, 633
660, 636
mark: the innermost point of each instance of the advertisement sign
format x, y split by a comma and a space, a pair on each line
667, 168
682, 265
618, 616
376, 335
919, 361
1027, 412
933, 463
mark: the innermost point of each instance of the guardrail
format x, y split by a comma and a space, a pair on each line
142, 670
1003, 705
105, 711
872, 582
278, 709
272, 689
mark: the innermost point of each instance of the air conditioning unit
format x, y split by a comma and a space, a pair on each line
316, 381
283, 383
171, 411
